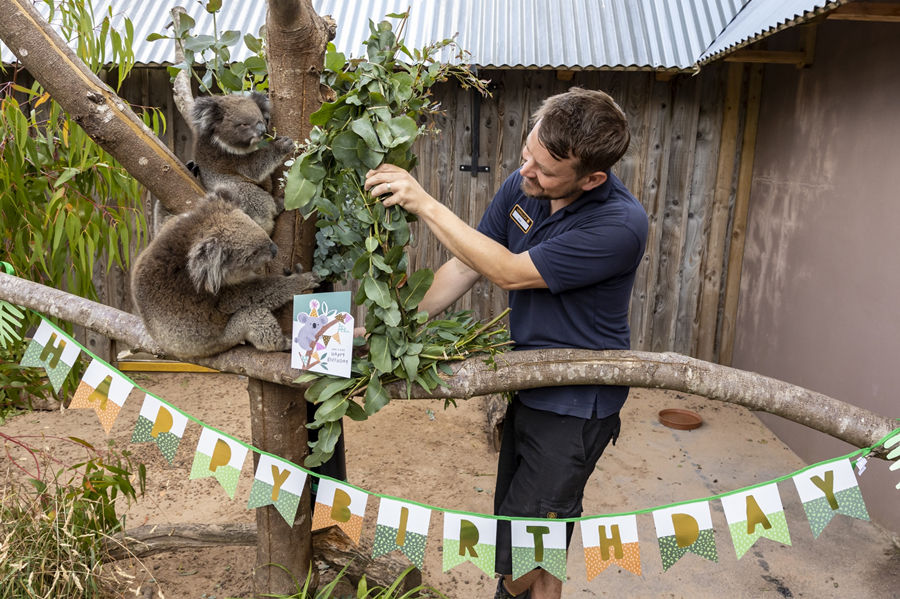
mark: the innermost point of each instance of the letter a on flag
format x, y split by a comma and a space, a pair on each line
611, 541
470, 539
340, 505
104, 390
52, 350
685, 528
753, 514
829, 489
160, 423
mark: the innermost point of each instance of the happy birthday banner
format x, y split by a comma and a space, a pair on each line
825, 489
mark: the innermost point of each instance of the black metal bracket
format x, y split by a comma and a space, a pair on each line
474, 167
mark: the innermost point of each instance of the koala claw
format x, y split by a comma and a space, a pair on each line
285, 144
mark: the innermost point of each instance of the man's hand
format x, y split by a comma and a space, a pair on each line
398, 187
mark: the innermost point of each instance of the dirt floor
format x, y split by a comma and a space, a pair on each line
416, 450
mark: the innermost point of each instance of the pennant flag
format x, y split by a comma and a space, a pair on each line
685, 528
161, 423
895, 453
103, 389
538, 544
340, 505
221, 457
829, 489
402, 526
753, 514
53, 351
280, 483
470, 539
611, 541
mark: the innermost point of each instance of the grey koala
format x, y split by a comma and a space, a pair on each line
229, 150
196, 285
309, 327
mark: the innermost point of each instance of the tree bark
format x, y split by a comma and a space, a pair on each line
520, 370
95, 107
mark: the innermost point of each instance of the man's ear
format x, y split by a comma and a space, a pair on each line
592, 180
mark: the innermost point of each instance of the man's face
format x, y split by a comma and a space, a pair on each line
543, 176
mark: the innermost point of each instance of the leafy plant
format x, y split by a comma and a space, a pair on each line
363, 591
54, 528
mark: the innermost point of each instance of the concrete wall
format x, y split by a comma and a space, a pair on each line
820, 289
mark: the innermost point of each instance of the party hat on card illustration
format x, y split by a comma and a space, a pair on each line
753, 514
470, 539
611, 541
220, 457
104, 390
279, 483
160, 423
53, 351
402, 526
685, 528
538, 544
829, 489
340, 505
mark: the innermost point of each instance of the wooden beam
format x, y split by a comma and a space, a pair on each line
873, 12
741, 215
160, 366
768, 57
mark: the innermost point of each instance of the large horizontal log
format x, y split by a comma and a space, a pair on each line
512, 371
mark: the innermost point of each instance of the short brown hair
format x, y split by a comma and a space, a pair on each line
586, 125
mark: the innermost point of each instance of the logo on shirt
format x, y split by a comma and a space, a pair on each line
521, 218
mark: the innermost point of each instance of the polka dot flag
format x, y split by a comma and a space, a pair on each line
220, 457
402, 526
753, 514
538, 544
829, 489
160, 423
611, 541
53, 351
277, 483
685, 528
104, 390
468, 538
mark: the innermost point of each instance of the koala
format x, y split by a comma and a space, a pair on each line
196, 285
229, 151
309, 326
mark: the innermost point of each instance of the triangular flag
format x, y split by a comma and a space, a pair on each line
340, 505
102, 389
221, 457
280, 483
470, 539
685, 528
753, 514
609, 541
538, 544
829, 489
160, 423
402, 526
52, 350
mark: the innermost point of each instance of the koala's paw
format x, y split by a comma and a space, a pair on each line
284, 144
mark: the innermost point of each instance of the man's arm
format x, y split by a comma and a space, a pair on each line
451, 282
472, 248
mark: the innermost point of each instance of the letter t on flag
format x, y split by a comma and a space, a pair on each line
470, 538
538, 544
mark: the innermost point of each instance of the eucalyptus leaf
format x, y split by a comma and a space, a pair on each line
379, 353
376, 396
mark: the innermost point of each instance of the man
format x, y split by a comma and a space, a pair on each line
565, 237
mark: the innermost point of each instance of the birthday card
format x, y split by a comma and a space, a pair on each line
323, 333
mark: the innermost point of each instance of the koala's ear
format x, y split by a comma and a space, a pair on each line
225, 194
206, 261
207, 112
265, 107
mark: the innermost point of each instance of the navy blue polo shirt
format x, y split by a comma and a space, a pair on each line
587, 253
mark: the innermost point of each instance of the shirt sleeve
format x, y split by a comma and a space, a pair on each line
586, 256
496, 217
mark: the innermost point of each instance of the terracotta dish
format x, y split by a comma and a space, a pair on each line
683, 420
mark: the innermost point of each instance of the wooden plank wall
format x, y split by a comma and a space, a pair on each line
673, 167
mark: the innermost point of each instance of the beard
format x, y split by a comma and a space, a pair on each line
533, 190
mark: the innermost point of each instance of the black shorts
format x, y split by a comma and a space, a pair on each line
545, 462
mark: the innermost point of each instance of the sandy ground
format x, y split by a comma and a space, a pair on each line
419, 451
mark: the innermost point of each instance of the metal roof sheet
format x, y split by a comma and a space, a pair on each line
564, 34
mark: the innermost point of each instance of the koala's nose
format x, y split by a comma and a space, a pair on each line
273, 248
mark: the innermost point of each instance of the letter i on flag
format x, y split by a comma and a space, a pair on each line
470, 539
402, 526
829, 489
280, 483
340, 505
160, 423
685, 528
611, 541
221, 457
753, 514
103, 389
52, 350
538, 544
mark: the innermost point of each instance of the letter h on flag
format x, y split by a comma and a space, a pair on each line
611, 540
52, 350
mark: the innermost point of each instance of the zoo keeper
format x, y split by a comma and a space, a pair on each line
564, 236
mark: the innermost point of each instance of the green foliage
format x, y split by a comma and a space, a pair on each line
215, 52
363, 591
55, 526
64, 202
375, 119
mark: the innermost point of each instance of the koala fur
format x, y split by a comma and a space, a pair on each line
195, 285
228, 132
309, 326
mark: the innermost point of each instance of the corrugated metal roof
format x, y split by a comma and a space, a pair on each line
761, 18
565, 34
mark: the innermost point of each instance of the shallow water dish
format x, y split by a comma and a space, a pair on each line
683, 420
